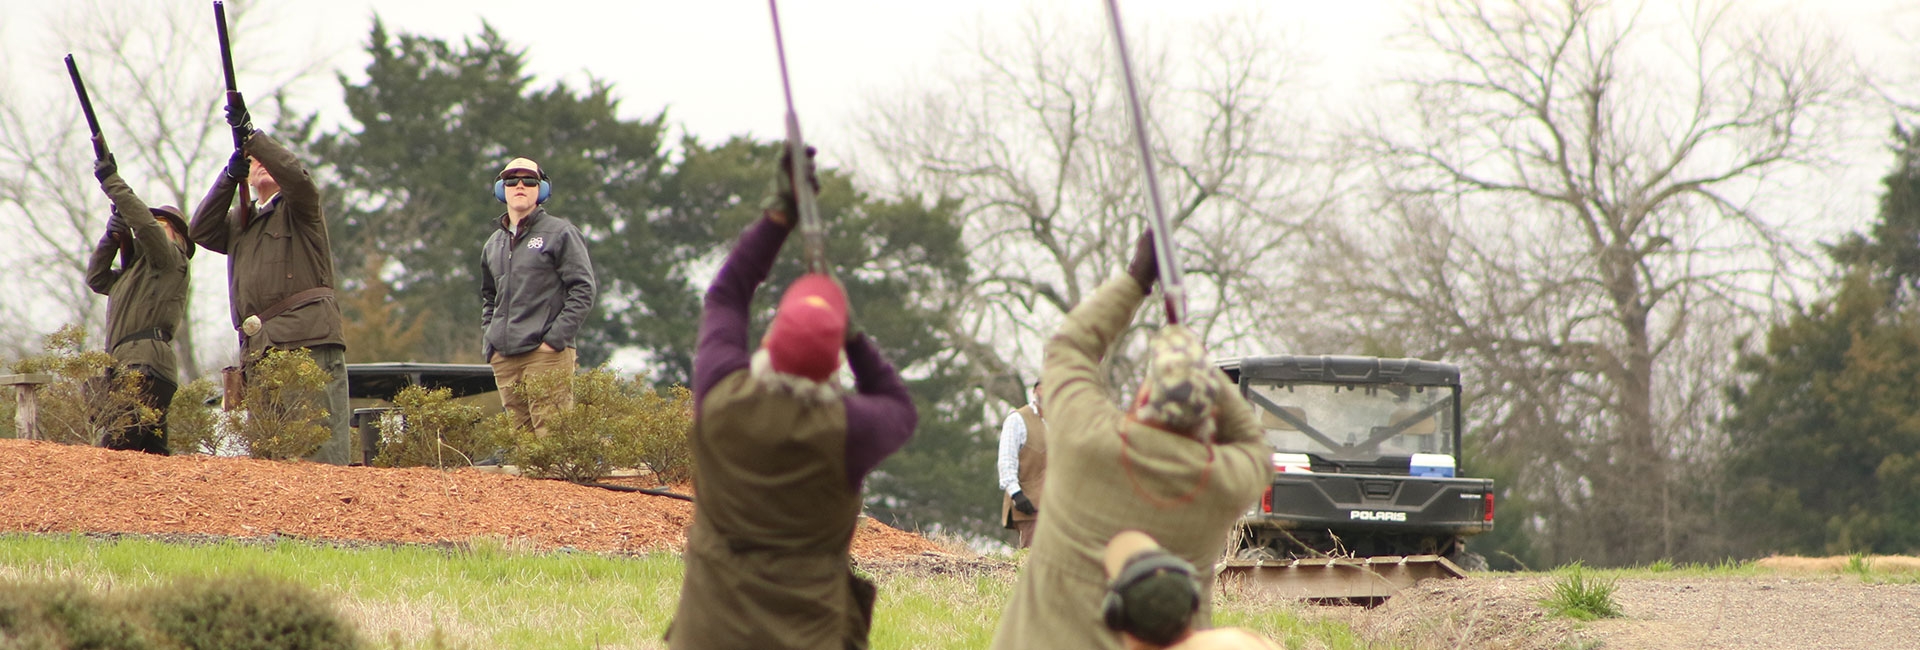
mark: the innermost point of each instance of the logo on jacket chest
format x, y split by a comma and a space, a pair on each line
536, 243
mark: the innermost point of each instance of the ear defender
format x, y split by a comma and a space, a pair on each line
1113, 608
546, 189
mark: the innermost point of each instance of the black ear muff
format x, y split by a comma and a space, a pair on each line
1113, 608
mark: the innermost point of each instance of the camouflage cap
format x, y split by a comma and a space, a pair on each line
1178, 389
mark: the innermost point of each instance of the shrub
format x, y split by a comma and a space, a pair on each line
284, 410
56, 616
663, 434
427, 428
612, 423
246, 613
1575, 596
84, 403
193, 426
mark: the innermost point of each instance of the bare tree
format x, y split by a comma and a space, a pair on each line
1583, 213
1033, 135
153, 72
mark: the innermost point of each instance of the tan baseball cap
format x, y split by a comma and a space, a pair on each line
524, 164
1123, 547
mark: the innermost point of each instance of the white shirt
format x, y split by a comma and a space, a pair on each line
1013, 434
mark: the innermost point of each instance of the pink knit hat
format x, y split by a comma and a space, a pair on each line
809, 328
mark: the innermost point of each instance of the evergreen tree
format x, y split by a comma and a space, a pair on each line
1825, 422
437, 120
434, 122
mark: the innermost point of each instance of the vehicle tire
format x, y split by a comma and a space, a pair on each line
1468, 560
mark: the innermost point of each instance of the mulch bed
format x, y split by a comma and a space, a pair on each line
53, 488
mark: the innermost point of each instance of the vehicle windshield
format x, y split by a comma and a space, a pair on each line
1356, 422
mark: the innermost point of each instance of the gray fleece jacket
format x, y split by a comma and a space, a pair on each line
536, 286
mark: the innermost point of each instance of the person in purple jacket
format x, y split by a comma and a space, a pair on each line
780, 451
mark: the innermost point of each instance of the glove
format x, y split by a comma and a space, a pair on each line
117, 228
784, 200
240, 120
104, 167
1144, 267
1021, 503
237, 167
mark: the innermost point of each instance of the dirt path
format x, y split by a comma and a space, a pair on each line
1769, 612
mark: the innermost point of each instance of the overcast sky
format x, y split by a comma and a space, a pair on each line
711, 64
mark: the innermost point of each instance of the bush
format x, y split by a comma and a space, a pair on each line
84, 403
612, 423
246, 613
663, 435
63, 615
427, 428
284, 407
193, 426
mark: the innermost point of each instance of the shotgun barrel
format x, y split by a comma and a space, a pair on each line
1163, 247
812, 237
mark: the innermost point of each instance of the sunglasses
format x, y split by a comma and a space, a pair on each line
521, 181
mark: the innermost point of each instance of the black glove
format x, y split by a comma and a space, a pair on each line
104, 167
1021, 503
784, 199
1144, 267
237, 167
240, 120
117, 228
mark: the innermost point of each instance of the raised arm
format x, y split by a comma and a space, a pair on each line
880, 414
296, 186
1070, 374
723, 320
148, 237
100, 272
210, 225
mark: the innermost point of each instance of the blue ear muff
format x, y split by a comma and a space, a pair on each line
500, 191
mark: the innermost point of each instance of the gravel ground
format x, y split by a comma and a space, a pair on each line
1768, 612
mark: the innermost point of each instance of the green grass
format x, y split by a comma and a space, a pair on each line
1578, 594
490, 595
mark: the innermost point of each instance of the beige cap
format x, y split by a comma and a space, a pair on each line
1123, 547
526, 164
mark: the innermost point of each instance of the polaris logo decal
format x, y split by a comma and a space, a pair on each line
1376, 515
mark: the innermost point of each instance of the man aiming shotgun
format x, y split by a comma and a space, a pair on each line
279, 260
780, 449
1180, 462
146, 296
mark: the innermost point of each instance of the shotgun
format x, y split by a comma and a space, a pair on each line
235, 104
99, 145
813, 239
1170, 284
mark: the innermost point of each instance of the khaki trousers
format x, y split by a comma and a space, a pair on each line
508, 371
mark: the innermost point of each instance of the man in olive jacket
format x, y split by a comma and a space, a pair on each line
146, 297
1182, 465
780, 452
279, 267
